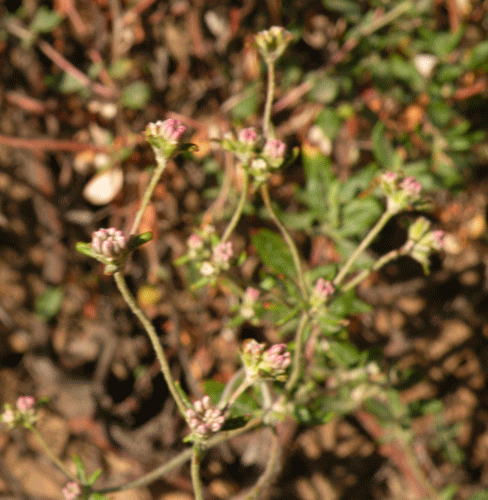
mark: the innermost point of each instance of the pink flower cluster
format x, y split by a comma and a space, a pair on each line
260, 363
400, 194
204, 418
71, 491
170, 130
108, 243
248, 136
221, 255
24, 412
323, 289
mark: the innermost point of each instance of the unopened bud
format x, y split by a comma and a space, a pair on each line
109, 244
273, 42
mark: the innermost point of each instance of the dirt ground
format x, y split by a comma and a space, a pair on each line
81, 347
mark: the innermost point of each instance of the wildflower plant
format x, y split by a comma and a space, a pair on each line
315, 372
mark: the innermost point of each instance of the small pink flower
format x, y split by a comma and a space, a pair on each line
204, 418
274, 149
252, 293
411, 186
390, 177
438, 238
248, 136
195, 242
25, 403
108, 243
71, 491
222, 253
170, 130
323, 289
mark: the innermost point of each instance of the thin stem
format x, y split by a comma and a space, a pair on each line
180, 459
363, 245
228, 388
267, 127
158, 171
195, 472
51, 455
288, 240
153, 337
394, 254
298, 354
238, 212
270, 471
245, 384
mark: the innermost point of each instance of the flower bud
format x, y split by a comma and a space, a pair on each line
273, 42
274, 152
109, 244
204, 418
400, 194
164, 137
71, 491
249, 299
265, 364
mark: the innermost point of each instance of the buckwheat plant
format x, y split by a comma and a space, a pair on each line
318, 373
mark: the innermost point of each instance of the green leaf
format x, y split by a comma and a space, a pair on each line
45, 20
329, 122
382, 148
248, 105
136, 95
136, 241
213, 389
94, 477
440, 112
449, 492
97, 496
273, 252
49, 302
379, 409
80, 469
479, 55
344, 353
325, 90
359, 215
480, 495
68, 84
350, 9
317, 413
86, 249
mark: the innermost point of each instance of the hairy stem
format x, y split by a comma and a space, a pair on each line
195, 472
298, 354
50, 454
267, 126
180, 459
270, 472
238, 212
153, 337
363, 245
382, 261
158, 172
288, 240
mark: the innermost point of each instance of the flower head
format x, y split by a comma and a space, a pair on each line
109, 244
249, 299
164, 137
71, 491
204, 418
274, 152
400, 193
24, 412
260, 363
273, 42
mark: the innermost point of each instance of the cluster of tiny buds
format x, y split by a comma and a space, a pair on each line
260, 363
204, 418
23, 413
402, 193
248, 136
71, 491
323, 289
249, 299
273, 42
170, 130
221, 255
109, 244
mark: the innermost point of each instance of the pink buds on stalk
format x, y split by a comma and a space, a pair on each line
320, 295
422, 242
221, 255
71, 491
164, 137
273, 42
24, 412
265, 364
204, 418
109, 244
401, 194
249, 299
274, 152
